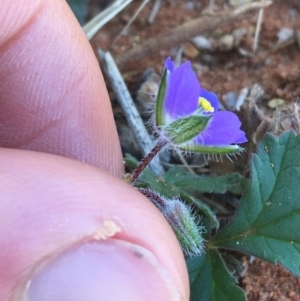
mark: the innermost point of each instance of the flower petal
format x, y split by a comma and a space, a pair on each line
169, 64
223, 129
183, 90
211, 97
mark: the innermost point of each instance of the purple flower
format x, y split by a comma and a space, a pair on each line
181, 97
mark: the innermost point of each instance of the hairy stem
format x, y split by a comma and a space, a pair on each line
147, 159
153, 197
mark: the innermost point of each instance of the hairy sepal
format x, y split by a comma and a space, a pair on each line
210, 149
160, 112
186, 129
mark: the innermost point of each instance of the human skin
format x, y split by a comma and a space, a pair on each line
64, 211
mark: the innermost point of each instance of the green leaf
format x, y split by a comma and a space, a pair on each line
158, 184
131, 161
166, 187
150, 180
177, 182
267, 222
234, 182
210, 279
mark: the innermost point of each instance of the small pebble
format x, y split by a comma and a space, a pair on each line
202, 42
238, 34
191, 5
285, 34
230, 99
293, 13
226, 42
190, 51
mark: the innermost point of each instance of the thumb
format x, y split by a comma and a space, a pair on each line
71, 232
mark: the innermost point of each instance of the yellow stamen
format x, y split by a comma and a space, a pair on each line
205, 104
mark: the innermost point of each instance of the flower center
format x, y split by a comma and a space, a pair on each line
205, 104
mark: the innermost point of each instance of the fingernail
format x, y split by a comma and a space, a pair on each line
108, 270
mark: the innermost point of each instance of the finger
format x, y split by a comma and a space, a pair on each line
52, 94
70, 229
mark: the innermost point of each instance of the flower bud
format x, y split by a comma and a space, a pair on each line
182, 221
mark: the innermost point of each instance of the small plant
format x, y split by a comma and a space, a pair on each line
266, 223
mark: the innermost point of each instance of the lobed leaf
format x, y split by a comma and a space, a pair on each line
267, 222
210, 279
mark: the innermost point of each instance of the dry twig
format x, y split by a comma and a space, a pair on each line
129, 109
140, 8
257, 30
155, 10
92, 27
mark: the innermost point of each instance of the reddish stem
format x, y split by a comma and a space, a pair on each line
147, 159
153, 197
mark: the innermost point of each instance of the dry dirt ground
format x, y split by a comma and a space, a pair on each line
226, 68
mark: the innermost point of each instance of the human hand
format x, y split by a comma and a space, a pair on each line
70, 229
